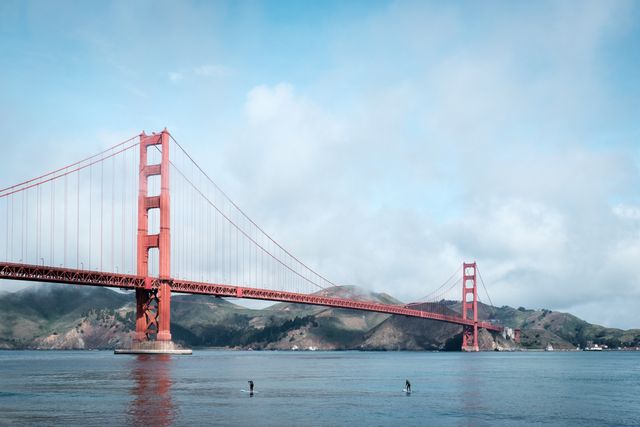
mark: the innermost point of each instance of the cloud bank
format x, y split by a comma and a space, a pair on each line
492, 152
384, 143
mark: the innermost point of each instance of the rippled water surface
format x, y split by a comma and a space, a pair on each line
319, 388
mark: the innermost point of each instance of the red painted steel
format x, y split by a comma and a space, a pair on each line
40, 273
153, 295
469, 287
43, 273
153, 306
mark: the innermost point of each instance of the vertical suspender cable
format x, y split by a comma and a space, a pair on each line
237, 258
113, 212
53, 219
244, 261
90, 213
10, 230
78, 220
65, 221
23, 226
132, 213
191, 232
37, 225
101, 208
122, 216
208, 263
215, 241
6, 236
27, 212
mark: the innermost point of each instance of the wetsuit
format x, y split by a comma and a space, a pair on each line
407, 385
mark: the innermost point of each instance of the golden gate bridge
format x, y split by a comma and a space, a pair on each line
135, 217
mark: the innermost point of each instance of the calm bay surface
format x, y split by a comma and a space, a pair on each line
87, 388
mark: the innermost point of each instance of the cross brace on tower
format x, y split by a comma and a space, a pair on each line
470, 306
153, 306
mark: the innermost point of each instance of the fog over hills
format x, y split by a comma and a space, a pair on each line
78, 317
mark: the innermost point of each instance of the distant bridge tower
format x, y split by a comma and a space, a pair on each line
469, 307
153, 304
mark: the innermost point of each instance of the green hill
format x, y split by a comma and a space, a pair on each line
70, 317
562, 330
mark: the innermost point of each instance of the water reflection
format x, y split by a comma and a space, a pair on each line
471, 385
471, 396
151, 391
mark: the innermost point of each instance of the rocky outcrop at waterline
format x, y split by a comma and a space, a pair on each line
76, 317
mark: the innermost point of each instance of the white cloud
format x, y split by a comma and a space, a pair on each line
425, 144
626, 211
175, 76
422, 141
536, 217
207, 70
211, 70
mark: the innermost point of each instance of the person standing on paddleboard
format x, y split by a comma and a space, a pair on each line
407, 386
250, 386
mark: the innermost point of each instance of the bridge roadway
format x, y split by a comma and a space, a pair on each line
40, 273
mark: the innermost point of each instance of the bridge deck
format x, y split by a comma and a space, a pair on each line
39, 273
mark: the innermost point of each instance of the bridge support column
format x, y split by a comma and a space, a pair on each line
469, 307
153, 303
146, 314
164, 312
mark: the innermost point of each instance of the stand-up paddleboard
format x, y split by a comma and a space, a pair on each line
406, 391
248, 391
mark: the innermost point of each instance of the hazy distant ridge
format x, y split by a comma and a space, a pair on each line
76, 317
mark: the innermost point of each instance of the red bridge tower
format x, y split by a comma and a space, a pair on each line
153, 305
469, 289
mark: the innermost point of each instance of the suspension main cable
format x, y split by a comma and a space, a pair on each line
484, 287
248, 218
453, 285
426, 297
66, 172
238, 229
69, 166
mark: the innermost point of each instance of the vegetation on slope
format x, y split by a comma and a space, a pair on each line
66, 317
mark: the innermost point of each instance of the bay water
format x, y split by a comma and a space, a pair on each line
98, 388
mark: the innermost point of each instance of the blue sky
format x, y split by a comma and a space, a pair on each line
383, 142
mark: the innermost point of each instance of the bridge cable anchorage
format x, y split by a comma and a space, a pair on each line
248, 218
